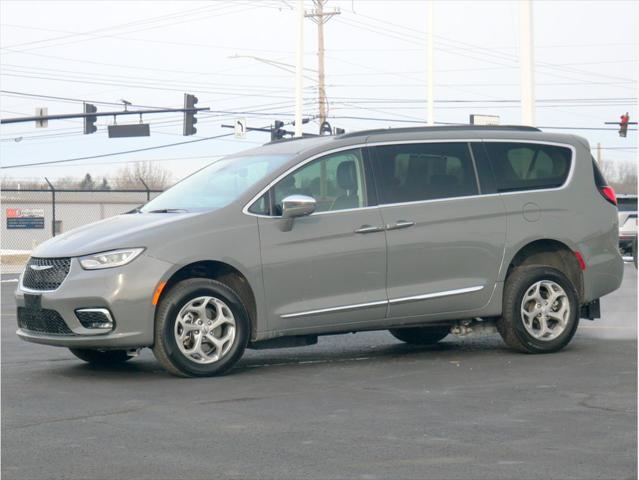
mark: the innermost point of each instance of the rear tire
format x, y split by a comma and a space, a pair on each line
201, 328
540, 310
634, 251
100, 357
420, 335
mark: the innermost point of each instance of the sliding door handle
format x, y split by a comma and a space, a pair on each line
369, 229
400, 224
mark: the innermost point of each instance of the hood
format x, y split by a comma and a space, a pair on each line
122, 231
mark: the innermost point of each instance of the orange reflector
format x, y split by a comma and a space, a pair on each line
158, 292
580, 259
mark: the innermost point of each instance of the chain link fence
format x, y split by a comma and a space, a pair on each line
31, 216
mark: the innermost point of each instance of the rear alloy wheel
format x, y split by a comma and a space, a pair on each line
540, 310
201, 329
101, 357
420, 335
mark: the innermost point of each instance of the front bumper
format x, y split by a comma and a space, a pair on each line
125, 291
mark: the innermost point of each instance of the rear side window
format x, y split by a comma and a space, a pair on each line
528, 166
424, 171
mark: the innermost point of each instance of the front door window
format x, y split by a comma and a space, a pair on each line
335, 181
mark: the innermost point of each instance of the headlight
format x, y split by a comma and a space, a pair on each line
113, 258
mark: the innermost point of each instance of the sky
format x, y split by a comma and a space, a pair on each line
152, 52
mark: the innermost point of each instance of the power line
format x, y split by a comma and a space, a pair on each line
125, 152
456, 44
95, 37
112, 27
494, 58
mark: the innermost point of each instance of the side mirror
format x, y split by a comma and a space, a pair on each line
297, 206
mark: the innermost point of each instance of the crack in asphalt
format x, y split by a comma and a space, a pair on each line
75, 418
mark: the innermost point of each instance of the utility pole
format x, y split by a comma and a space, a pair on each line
526, 58
320, 17
599, 153
430, 109
299, 67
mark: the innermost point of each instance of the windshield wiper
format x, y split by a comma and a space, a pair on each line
168, 210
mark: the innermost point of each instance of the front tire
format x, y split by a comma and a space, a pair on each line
201, 328
420, 335
101, 357
540, 310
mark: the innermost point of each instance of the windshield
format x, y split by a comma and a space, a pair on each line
216, 185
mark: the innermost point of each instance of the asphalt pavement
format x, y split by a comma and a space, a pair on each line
354, 406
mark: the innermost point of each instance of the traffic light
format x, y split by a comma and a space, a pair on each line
623, 125
277, 132
189, 117
89, 120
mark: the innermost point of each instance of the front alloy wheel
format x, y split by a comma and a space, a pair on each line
201, 328
205, 329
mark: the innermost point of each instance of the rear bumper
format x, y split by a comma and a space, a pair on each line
125, 291
603, 274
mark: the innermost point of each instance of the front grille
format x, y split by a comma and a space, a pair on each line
42, 321
48, 279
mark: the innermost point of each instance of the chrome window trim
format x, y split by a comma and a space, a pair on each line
416, 202
425, 296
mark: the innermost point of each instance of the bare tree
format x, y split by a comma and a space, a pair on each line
87, 183
21, 183
620, 175
153, 174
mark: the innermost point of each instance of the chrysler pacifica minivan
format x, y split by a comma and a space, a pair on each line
417, 231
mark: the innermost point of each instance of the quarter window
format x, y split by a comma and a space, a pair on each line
425, 171
528, 166
336, 182
261, 205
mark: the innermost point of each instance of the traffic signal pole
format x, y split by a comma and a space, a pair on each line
63, 116
90, 115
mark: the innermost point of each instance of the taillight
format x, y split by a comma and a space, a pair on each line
609, 194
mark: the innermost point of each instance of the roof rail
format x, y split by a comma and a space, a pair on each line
442, 128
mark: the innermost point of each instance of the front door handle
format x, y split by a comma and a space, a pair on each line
400, 224
369, 229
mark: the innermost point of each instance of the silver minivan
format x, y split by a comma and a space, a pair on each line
418, 231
